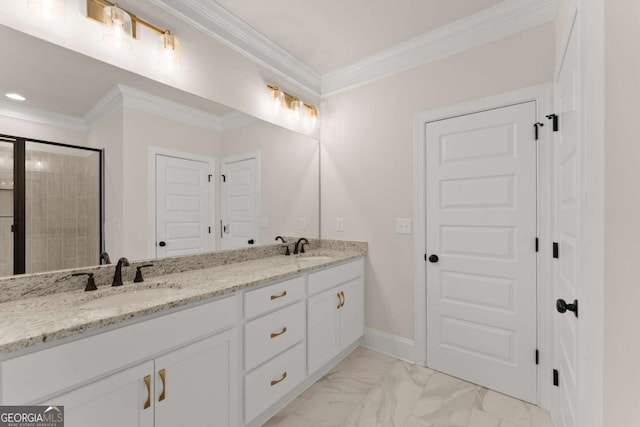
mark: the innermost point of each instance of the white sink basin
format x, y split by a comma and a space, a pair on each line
128, 299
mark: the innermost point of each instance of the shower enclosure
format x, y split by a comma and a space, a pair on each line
50, 206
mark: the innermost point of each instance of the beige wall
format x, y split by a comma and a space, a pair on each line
289, 177
622, 214
367, 156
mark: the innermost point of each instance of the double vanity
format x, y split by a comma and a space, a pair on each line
221, 339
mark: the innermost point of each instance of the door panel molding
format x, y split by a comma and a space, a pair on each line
541, 95
153, 152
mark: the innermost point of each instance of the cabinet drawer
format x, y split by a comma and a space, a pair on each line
269, 335
272, 297
270, 382
34, 376
327, 279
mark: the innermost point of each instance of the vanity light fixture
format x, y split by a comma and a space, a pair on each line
15, 96
49, 10
121, 28
283, 99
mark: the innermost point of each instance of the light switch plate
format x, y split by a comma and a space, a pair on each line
302, 225
339, 224
403, 225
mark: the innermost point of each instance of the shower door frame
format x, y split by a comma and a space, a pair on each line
19, 226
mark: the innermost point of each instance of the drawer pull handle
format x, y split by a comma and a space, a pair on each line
162, 373
283, 294
277, 334
274, 382
343, 299
147, 382
339, 300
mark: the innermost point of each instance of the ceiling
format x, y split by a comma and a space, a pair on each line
330, 34
60, 80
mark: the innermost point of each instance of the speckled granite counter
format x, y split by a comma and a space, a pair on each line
29, 321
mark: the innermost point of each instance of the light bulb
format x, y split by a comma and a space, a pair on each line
170, 54
118, 30
296, 107
278, 99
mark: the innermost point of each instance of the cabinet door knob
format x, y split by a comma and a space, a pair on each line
162, 373
147, 382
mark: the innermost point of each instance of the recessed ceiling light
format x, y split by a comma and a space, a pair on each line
15, 96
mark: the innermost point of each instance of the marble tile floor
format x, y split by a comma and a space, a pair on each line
369, 389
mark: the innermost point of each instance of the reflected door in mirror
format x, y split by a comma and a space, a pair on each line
240, 195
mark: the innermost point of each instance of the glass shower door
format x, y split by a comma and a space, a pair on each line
6, 207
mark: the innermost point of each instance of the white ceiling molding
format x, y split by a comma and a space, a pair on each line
215, 21
38, 115
148, 103
109, 104
499, 21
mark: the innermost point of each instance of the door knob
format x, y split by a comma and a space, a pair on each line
433, 258
563, 307
162, 244
250, 241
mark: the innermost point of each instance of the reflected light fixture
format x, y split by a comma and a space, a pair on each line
170, 52
15, 96
49, 10
297, 107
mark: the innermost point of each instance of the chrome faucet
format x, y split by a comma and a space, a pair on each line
299, 248
117, 276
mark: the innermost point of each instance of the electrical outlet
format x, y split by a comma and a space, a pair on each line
302, 225
403, 226
339, 224
264, 222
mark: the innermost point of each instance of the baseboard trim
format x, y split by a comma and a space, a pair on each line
391, 345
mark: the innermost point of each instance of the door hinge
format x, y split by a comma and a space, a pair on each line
537, 126
556, 379
13, 229
224, 178
425, 257
209, 230
537, 357
537, 245
209, 177
556, 119
556, 250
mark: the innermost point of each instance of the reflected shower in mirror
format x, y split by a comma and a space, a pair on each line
181, 174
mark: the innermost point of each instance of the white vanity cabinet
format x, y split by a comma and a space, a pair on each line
336, 314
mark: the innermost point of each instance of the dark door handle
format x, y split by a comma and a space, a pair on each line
433, 258
250, 241
563, 307
162, 244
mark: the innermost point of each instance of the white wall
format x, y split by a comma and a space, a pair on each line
289, 177
367, 156
622, 214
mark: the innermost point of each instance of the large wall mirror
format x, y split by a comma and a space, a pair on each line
109, 160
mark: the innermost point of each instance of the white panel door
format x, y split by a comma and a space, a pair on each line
183, 207
481, 223
566, 231
199, 387
240, 201
122, 400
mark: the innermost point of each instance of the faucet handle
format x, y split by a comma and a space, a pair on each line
91, 283
139, 277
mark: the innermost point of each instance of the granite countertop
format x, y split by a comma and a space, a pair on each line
34, 320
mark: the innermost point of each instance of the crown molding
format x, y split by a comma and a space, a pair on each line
217, 22
502, 20
41, 116
109, 104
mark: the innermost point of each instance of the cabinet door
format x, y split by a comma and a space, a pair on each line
351, 320
200, 383
322, 334
118, 400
